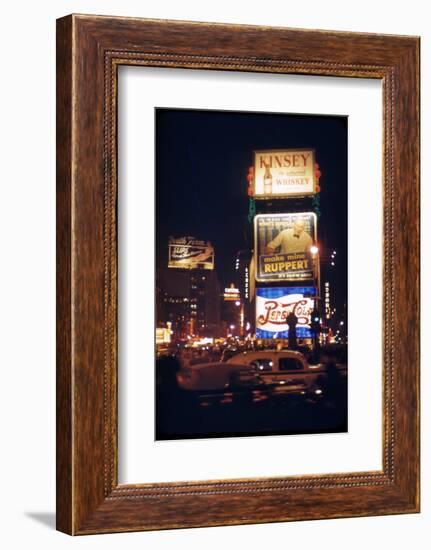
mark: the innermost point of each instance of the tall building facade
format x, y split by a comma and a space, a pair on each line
189, 299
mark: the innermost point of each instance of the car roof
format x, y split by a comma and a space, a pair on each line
292, 353
217, 364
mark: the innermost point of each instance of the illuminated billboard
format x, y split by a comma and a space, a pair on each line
190, 253
275, 305
284, 247
231, 294
284, 173
163, 336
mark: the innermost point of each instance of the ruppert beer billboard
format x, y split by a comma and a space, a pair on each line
190, 253
284, 173
283, 243
274, 305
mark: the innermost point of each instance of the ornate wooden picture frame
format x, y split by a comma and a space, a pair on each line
89, 51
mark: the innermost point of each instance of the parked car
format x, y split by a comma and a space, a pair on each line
280, 371
287, 368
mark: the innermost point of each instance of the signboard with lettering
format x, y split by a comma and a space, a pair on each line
275, 307
190, 253
284, 247
231, 294
284, 173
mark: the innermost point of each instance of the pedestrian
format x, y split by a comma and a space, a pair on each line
292, 321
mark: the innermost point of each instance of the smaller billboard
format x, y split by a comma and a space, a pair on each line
284, 247
284, 173
276, 306
163, 336
231, 294
190, 253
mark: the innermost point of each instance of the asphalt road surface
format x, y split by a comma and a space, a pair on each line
181, 414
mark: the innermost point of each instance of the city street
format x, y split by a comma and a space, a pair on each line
251, 308
183, 414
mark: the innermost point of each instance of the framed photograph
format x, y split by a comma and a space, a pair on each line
237, 290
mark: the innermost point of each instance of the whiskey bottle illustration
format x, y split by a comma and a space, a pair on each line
267, 181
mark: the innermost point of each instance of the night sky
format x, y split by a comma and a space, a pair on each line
202, 159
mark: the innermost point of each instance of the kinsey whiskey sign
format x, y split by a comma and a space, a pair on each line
284, 173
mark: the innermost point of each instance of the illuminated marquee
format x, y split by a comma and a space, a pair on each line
283, 247
163, 336
274, 305
284, 173
190, 253
231, 294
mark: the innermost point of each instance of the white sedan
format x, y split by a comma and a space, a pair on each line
286, 368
